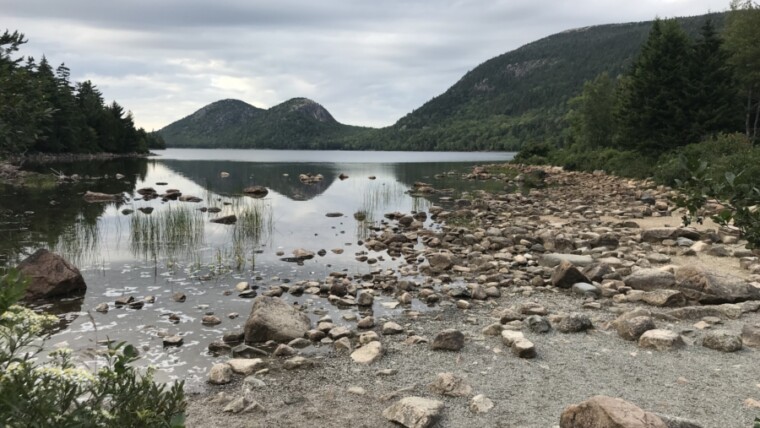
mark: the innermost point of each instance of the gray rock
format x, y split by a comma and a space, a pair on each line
650, 279
751, 334
50, 275
711, 288
297, 363
584, 289
523, 348
448, 340
173, 340
273, 319
246, 366
574, 323
236, 406
554, 259
597, 271
451, 385
565, 275
102, 308
391, 327
658, 234
364, 298
538, 324
674, 422
368, 353
480, 404
220, 374
414, 412
440, 262
661, 340
608, 412
664, 298
633, 328
284, 350
723, 341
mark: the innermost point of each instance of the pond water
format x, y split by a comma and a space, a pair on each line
123, 251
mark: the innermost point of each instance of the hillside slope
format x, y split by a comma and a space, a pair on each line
514, 99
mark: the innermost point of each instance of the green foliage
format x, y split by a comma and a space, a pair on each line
12, 286
591, 120
757, 422
57, 392
653, 99
726, 168
42, 111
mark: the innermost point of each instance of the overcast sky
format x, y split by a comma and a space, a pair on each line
369, 62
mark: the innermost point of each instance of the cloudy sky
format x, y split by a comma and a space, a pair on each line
369, 62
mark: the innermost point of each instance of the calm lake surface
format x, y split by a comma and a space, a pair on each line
176, 248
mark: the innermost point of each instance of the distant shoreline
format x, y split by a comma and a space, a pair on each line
71, 157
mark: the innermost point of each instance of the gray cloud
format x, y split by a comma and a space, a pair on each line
368, 62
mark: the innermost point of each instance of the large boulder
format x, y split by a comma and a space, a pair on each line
711, 288
608, 412
658, 234
50, 276
273, 319
650, 279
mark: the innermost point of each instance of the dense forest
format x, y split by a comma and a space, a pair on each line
42, 111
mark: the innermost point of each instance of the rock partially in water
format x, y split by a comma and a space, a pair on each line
256, 191
50, 275
228, 219
102, 197
273, 319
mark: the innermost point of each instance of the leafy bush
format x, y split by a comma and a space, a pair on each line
58, 392
732, 178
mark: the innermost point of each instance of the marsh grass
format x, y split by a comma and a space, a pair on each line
171, 231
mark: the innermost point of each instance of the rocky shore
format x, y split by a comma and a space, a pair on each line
584, 286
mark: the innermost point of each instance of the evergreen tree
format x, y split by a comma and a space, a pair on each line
742, 37
712, 87
653, 99
22, 109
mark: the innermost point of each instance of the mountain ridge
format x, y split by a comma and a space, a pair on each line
513, 99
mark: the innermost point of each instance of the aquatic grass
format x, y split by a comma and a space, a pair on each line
80, 242
169, 231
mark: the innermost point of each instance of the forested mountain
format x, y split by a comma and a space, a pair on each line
509, 101
521, 97
298, 123
42, 110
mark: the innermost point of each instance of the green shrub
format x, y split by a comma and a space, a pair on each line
58, 393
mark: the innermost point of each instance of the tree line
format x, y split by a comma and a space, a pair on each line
43, 111
677, 92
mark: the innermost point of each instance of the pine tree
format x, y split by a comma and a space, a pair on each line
653, 99
712, 86
742, 37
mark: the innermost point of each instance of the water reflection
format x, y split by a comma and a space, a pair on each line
283, 178
175, 230
176, 247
